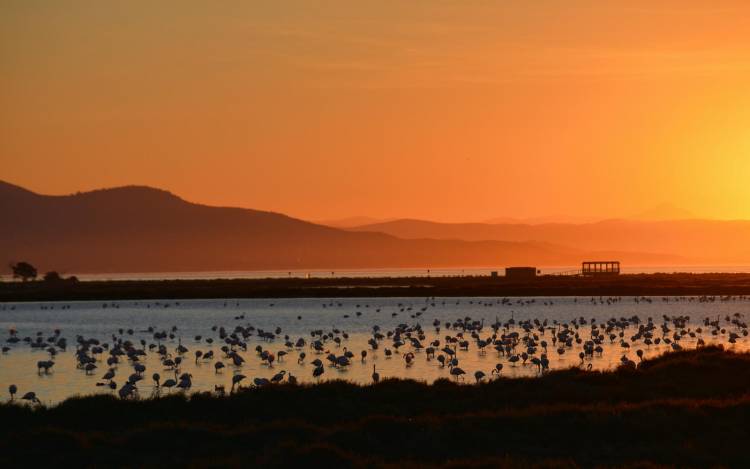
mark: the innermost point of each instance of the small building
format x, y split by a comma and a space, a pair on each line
520, 273
600, 268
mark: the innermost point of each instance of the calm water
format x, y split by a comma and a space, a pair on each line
296, 318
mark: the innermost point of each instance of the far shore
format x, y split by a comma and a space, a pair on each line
675, 284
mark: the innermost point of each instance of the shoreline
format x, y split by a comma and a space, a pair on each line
676, 284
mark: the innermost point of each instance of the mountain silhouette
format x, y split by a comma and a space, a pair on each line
350, 222
701, 241
141, 229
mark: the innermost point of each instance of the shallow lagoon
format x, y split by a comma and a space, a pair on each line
354, 316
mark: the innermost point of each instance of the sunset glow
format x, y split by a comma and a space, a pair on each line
449, 111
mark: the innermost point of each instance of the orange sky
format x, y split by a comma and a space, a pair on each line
447, 110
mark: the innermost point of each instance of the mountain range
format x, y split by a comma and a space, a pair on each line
699, 241
142, 229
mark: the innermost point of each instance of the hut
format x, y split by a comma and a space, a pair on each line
520, 273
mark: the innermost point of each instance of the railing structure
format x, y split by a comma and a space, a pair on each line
590, 268
600, 268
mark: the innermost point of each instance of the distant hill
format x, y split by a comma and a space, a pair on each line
141, 229
538, 220
350, 222
703, 241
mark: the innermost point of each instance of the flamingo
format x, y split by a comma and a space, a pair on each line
236, 379
457, 372
44, 365
278, 377
342, 361
31, 396
170, 383
186, 381
127, 390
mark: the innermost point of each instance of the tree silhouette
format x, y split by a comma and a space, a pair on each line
52, 276
24, 271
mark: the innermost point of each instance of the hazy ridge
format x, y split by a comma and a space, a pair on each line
704, 241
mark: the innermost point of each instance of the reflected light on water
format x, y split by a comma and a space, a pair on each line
355, 317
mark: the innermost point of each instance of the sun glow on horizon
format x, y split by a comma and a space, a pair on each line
451, 111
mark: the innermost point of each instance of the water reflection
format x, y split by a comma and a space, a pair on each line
282, 339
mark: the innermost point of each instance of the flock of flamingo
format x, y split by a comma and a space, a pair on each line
120, 360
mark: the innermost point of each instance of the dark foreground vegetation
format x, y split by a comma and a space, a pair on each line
685, 409
619, 285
